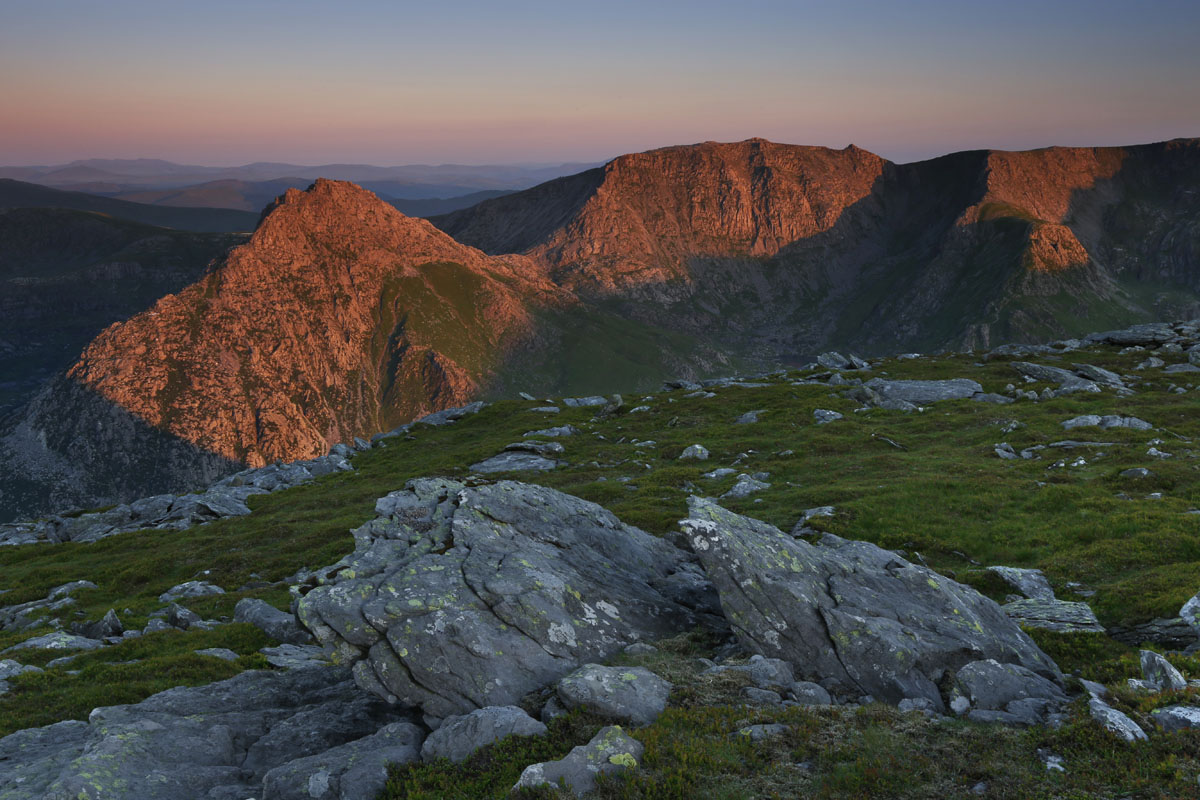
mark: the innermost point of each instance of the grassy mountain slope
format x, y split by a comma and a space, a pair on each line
927, 483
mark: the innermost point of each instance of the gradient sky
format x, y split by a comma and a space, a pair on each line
507, 81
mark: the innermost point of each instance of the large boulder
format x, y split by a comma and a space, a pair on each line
459, 598
220, 740
850, 614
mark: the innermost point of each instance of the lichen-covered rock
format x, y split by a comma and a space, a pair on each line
610, 750
458, 737
1061, 616
1115, 721
459, 598
1160, 674
851, 612
218, 740
627, 694
58, 640
1177, 718
357, 769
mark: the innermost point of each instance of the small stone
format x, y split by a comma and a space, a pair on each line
824, 416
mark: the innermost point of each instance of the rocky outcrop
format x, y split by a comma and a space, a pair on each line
849, 613
459, 597
307, 733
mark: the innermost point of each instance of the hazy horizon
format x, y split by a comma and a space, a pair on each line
542, 83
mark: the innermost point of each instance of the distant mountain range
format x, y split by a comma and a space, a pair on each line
342, 317
410, 182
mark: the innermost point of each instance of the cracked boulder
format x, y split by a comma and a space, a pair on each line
851, 615
458, 598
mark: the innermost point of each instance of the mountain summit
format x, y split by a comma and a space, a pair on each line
339, 316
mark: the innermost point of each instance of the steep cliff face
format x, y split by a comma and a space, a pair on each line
649, 213
338, 318
793, 249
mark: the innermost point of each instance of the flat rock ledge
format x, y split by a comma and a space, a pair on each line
460, 598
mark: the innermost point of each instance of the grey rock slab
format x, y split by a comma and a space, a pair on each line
295, 656
1030, 582
1048, 374
515, 462
1115, 721
58, 640
1160, 674
719, 473
633, 695
610, 750
1063, 616
1175, 369
851, 612
1136, 472
694, 452
546, 449
1177, 718
1098, 374
1148, 334
279, 625
922, 393
745, 487
823, 416
460, 736
352, 771
194, 742
466, 597
585, 402
992, 397
449, 415
765, 673
992, 686
189, 589
807, 693
223, 653
11, 669
553, 433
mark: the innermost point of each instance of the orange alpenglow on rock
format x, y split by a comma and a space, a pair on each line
329, 323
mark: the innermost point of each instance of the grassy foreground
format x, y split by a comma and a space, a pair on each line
927, 483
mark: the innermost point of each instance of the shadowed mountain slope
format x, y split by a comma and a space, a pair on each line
16, 194
65, 275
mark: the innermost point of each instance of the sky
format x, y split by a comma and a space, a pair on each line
388, 83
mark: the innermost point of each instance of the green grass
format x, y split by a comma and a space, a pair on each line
942, 496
